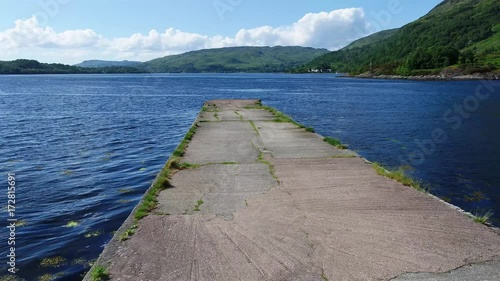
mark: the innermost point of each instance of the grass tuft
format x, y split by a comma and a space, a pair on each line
483, 218
255, 128
99, 273
198, 205
162, 182
241, 116
176, 164
323, 276
262, 160
181, 149
280, 117
335, 142
149, 201
128, 233
399, 175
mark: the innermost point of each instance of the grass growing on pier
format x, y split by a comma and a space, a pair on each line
99, 273
162, 181
150, 200
255, 128
263, 160
483, 218
323, 276
280, 117
241, 116
210, 108
128, 233
335, 142
310, 130
181, 149
178, 165
398, 175
198, 205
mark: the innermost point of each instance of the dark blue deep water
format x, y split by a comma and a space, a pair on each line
85, 148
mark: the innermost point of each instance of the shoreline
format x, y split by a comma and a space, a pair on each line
440, 77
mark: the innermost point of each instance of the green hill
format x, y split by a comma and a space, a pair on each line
372, 39
235, 59
105, 63
458, 33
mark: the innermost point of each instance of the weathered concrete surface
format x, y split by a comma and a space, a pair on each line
220, 142
487, 271
224, 189
285, 140
327, 219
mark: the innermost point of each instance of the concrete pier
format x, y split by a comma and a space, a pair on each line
258, 199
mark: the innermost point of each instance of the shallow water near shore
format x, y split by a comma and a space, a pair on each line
85, 147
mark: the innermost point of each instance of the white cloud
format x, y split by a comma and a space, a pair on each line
27, 33
27, 38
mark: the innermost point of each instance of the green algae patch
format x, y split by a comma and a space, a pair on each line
91, 234
20, 223
53, 262
82, 262
475, 197
72, 224
11, 278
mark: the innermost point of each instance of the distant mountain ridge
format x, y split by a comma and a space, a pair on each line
459, 34
105, 63
235, 59
232, 59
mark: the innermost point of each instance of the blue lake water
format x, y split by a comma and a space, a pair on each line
84, 148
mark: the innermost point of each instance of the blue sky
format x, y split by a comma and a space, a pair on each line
69, 31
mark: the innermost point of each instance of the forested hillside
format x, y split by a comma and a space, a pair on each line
23, 66
459, 33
